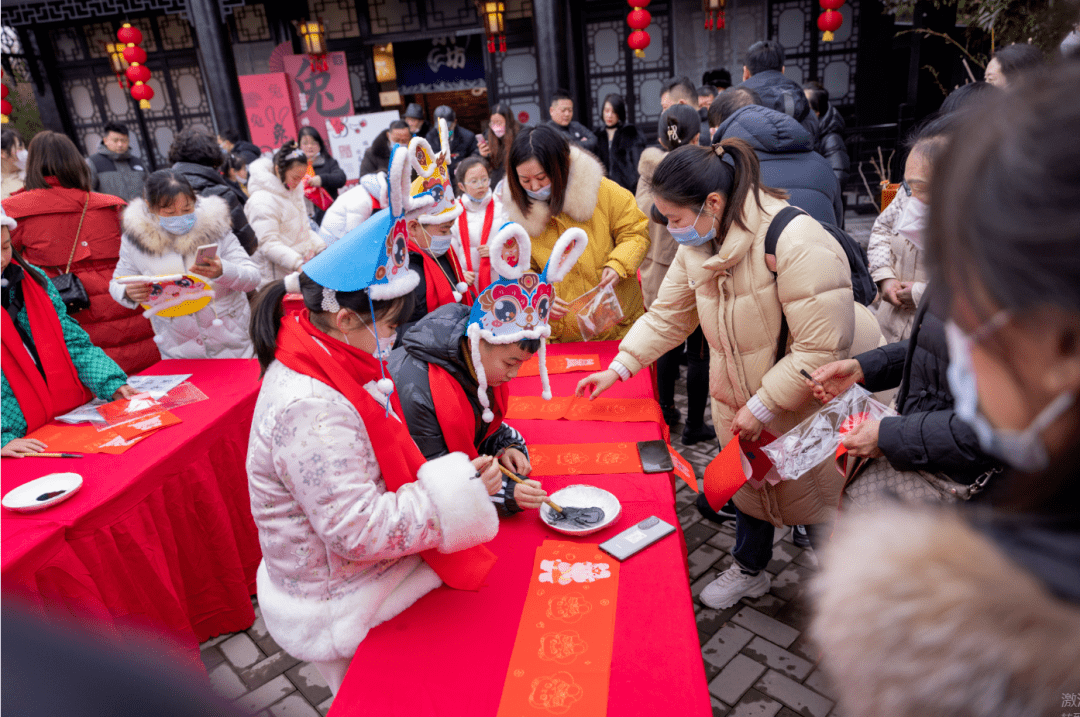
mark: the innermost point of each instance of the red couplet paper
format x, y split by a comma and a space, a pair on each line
561, 662
557, 459
582, 409
726, 474
683, 469
62, 438
561, 364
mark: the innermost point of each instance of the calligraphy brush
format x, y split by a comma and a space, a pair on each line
513, 476
52, 455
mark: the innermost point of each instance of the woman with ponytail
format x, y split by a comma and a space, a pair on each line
354, 525
679, 126
718, 210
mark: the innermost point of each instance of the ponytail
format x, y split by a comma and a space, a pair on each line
266, 321
268, 311
689, 174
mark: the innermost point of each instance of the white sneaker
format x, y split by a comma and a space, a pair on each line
732, 586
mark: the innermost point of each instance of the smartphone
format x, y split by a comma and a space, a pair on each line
205, 253
636, 538
655, 457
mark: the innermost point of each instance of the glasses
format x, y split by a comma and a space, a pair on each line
478, 183
921, 187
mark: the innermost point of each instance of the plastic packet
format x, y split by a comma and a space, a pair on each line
141, 405
597, 310
817, 439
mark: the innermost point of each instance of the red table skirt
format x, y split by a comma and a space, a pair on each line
160, 538
448, 654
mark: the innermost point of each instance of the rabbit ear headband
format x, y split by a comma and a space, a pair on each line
434, 180
517, 306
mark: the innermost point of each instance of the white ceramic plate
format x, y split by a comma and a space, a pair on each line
582, 496
43, 492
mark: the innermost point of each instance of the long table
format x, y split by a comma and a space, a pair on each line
448, 653
159, 538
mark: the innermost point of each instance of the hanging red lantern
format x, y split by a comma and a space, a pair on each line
638, 19
129, 35
5, 106
134, 54
829, 22
491, 14
714, 14
638, 41
138, 73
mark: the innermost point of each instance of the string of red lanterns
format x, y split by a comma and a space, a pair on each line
138, 74
830, 20
714, 14
638, 19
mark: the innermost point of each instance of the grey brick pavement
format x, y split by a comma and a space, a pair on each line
758, 661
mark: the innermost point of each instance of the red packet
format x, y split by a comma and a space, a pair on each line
761, 468
146, 424
726, 474
683, 469
561, 364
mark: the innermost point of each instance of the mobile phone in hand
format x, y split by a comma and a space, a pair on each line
205, 253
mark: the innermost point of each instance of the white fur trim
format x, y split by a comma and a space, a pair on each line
420, 142
574, 241
398, 182
7, 221
495, 246
542, 332
442, 217
475, 334
322, 629
542, 359
582, 193
400, 287
292, 283
467, 516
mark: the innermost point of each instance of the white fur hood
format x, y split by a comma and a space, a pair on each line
261, 177
212, 222
582, 191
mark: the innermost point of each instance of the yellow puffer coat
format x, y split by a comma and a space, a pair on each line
618, 237
738, 302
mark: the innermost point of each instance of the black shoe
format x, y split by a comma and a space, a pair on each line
799, 536
704, 432
671, 415
726, 512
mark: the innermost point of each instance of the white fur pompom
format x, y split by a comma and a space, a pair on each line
217, 322
158, 338
457, 296
462, 287
385, 386
488, 416
546, 394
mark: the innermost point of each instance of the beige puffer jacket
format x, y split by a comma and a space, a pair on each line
662, 246
738, 302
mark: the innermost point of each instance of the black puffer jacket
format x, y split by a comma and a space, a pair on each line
781, 93
439, 338
208, 182
927, 435
246, 151
830, 144
620, 158
331, 173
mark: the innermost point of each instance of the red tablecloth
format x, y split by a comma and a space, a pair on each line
160, 537
448, 653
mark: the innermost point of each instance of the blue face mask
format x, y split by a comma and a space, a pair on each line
688, 236
1023, 450
543, 195
178, 225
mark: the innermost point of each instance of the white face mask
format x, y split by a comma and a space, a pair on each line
439, 244
20, 160
1023, 450
474, 203
383, 346
912, 222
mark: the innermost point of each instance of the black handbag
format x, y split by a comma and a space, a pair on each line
71, 288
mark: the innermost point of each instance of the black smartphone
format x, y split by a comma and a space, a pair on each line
655, 457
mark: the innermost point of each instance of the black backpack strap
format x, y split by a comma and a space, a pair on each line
772, 236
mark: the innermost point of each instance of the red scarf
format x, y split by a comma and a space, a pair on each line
484, 276
439, 290
453, 409
347, 370
41, 398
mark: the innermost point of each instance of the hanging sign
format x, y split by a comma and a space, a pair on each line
268, 109
444, 64
319, 95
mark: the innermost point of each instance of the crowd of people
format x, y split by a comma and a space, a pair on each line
456, 257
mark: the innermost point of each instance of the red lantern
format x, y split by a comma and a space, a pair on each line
638, 19
4, 92
129, 35
143, 93
714, 14
138, 73
638, 3
135, 55
638, 41
829, 22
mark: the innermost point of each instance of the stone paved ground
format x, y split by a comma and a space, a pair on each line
758, 660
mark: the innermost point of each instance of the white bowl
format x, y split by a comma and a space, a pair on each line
582, 496
27, 498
